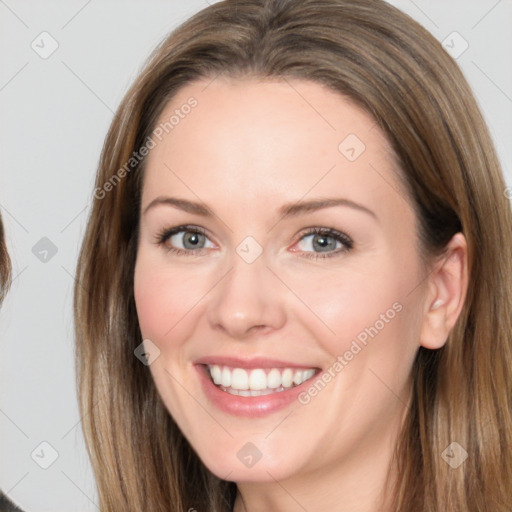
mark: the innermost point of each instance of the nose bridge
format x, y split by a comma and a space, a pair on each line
247, 296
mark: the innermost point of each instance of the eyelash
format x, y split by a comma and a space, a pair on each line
164, 235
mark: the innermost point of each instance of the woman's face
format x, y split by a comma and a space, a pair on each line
261, 302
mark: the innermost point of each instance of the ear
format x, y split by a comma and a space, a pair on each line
447, 289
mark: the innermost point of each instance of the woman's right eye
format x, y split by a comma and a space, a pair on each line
191, 238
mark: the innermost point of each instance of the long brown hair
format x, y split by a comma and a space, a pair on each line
5, 283
5, 264
394, 69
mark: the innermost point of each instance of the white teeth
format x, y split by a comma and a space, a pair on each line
226, 378
287, 378
307, 374
258, 381
216, 374
274, 378
239, 379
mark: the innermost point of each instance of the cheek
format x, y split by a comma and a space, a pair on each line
344, 304
369, 319
167, 298
149, 300
160, 299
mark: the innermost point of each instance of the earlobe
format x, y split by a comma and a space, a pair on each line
447, 292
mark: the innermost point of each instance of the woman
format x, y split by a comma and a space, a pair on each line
223, 362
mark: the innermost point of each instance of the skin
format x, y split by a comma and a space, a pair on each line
247, 148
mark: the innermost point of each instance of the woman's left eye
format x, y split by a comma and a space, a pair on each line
193, 239
327, 240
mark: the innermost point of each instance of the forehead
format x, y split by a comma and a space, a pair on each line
247, 140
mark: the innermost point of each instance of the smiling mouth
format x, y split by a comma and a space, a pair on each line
258, 381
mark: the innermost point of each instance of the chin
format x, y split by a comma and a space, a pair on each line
244, 462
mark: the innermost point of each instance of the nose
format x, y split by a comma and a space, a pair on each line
247, 300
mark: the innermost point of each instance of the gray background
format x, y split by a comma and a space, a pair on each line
54, 116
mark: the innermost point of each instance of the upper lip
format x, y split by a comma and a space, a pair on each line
254, 362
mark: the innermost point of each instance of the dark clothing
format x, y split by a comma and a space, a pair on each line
6, 505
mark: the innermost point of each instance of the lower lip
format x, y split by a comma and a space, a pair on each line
249, 406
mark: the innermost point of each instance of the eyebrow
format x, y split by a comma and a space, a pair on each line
287, 210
